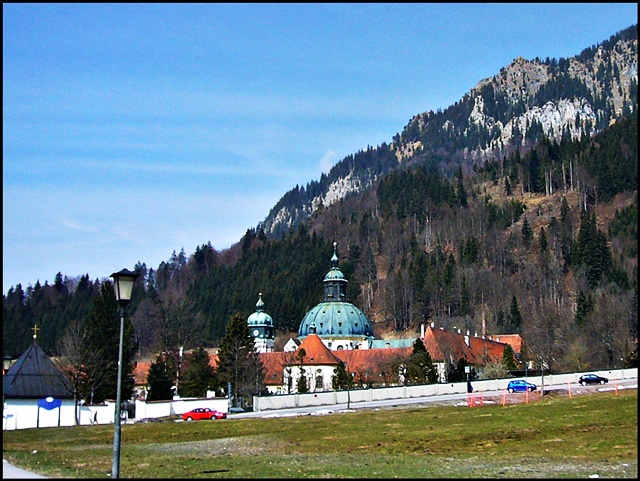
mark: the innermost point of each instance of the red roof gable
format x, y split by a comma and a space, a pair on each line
445, 345
316, 352
514, 340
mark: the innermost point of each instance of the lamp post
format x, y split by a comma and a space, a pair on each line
123, 286
6, 363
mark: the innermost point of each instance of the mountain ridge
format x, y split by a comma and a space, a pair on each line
513, 109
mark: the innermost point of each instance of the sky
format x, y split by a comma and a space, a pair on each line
133, 131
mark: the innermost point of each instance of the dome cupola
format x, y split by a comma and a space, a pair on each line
339, 324
261, 327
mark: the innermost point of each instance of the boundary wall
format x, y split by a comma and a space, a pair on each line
177, 407
25, 413
332, 398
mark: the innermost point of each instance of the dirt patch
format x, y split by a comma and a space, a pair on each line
242, 445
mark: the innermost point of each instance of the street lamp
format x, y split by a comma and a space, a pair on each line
6, 363
122, 286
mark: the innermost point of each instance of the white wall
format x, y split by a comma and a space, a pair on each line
288, 401
160, 409
25, 414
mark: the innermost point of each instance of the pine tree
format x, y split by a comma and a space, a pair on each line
592, 251
420, 367
508, 358
564, 208
458, 373
544, 244
507, 187
584, 308
527, 233
101, 358
160, 379
515, 318
340, 378
198, 375
237, 363
461, 192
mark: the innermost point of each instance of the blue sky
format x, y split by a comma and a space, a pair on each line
131, 131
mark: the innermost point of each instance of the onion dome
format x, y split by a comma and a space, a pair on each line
335, 316
260, 318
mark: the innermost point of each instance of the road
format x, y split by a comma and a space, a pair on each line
9, 471
488, 397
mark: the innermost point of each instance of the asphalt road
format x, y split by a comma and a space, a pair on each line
9, 471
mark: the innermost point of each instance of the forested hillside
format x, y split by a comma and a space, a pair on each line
539, 239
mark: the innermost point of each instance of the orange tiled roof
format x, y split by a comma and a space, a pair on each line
514, 340
373, 364
316, 352
487, 349
140, 373
446, 345
273, 364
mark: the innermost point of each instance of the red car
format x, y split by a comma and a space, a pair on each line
203, 413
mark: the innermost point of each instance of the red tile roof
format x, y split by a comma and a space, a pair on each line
140, 373
374, 365
450, 346
316, 352
514, 340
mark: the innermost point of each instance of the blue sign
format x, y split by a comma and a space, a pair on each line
49, 403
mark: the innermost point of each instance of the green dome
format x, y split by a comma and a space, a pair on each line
260, 318
335, 319
335, 316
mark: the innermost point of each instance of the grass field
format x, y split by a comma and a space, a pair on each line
554, 437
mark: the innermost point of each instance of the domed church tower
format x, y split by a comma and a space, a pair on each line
261, 327
339, 324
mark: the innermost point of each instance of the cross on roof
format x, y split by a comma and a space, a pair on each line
35, 330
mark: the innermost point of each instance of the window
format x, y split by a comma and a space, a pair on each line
319, 382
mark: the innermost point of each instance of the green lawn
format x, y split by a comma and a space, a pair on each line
554, 437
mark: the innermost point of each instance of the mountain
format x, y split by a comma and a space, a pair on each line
515, 109
513, 211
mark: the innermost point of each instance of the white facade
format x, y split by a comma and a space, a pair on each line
264, 345
347, 344
319, 378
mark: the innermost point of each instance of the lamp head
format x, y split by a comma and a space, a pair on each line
123, 285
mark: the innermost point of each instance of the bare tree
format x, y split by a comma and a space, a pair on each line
78, 362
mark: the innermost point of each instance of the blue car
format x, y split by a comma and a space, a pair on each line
520, 386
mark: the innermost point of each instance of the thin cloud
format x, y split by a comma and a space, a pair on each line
327, 161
